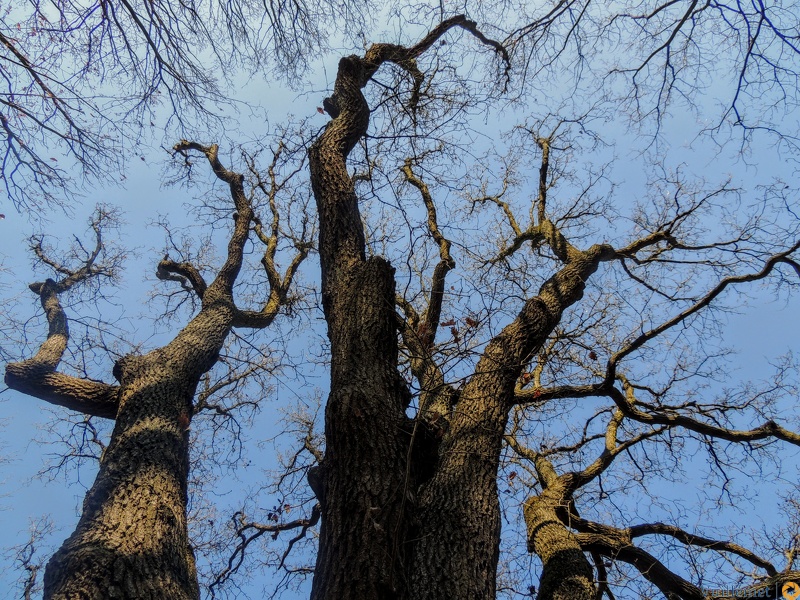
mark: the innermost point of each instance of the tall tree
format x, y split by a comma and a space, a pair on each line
410, 507
518, 337
132, 539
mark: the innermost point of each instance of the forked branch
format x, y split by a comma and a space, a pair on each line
641, 340
243, 217
37, 376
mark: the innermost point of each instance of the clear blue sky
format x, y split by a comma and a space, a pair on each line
768, 329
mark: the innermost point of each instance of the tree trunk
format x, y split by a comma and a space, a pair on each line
361, 481
363, 468
458, 539
459, 513
364, 483
132, 540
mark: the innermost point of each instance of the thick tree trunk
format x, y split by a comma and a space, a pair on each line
132, 540
364, 482
459, 515
459, 522
361, 481
362, 474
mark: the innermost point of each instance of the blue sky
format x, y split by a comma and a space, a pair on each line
766, 329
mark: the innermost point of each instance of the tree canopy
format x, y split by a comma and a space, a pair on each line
529, 226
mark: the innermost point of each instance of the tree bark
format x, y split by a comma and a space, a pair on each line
566, 572
361, 481
132, 539
459, 512
364, 483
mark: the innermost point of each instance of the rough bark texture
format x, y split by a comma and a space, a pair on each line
361, 479
132, 539
459, 513
90, 397
566, 573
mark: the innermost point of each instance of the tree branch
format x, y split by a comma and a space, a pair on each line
627, 403
642, 339
617, 544
83, 395
184, 273
244, 215
430, 324
259, 529
37, 375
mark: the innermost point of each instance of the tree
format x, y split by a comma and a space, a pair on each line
84, 79
132, 538
410, 507
513, 317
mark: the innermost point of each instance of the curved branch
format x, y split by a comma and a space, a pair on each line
37, 376
627, 404
612, 449
670, 584
237, 558
222, 286
690, 539
617, 544
184, 273
769, 265
404, 57
539, 395
226, 276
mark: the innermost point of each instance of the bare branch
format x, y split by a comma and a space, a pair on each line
642, 339
37, 375
627, 404
249, 532
243, 216
446, 263
184, 273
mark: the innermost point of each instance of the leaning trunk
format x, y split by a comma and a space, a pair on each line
132, 540
458, 548
459, 514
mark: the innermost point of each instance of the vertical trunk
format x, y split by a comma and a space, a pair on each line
364, 464
361, 482
131, 540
